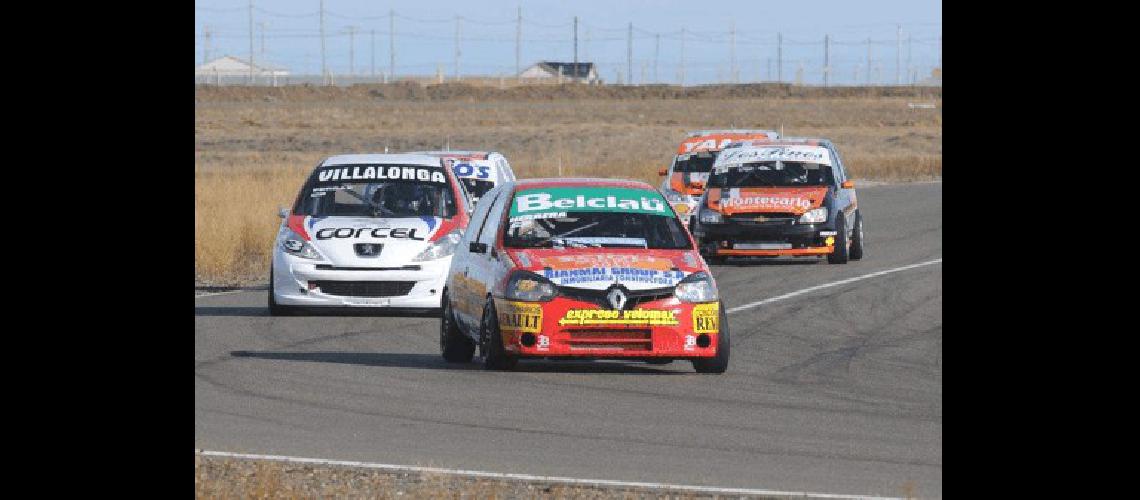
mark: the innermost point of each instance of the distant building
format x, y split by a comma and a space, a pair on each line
581, 72
231, 70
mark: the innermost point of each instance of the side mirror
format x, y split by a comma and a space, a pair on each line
282, 212
662, 172
477, 247
848, 184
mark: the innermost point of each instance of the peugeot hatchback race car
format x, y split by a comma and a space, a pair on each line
780, 198
371, 231
479, 171
686, 177
594, 268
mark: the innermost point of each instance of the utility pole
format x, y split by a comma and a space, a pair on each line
769, 69
682, 57
372, 53
780, 57
251, 42
940, 50
206, 34
261, 27
575, 45
826, 59
392, 45
898, 54
518, 45
457, 25
656, 52
732, 51
629, 53
868, 60
909, 67
324, 67
351, 50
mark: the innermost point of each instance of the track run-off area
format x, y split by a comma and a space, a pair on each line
834, 386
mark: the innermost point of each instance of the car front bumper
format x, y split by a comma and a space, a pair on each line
300, 282
563, 327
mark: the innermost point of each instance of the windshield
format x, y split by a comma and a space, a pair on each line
585, 217
772, 173
477, 187
700, 162
377, 191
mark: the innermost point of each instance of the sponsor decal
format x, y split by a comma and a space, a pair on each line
329, 233
795, 200
543, 343
569, 270
464, 170
706, 318
808, 154
716, 142
636, 317
544, 215
587, 199
735, 200
690, 342
378, 172
521, 317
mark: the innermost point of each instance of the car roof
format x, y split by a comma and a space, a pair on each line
784, 141
580, 181
478, 155
387, 159
698, 133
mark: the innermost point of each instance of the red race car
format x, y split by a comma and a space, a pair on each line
589, 268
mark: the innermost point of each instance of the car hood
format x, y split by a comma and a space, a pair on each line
597, 269
401, 239
796, 200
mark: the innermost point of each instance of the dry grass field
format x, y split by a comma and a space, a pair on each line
254, 146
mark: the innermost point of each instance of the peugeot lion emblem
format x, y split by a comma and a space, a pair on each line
617, 298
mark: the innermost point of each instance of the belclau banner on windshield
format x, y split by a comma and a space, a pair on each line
583, 199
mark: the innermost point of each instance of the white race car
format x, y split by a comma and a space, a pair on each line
479, 171
369, 231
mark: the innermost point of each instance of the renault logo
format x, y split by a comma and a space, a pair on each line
617, 299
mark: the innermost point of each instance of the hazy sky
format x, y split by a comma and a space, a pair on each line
425, 36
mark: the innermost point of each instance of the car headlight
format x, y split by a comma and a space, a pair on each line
529, 287
294, 244
710, 216
697, 287
443, 247
814, 216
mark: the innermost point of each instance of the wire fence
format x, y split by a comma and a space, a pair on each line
337, 48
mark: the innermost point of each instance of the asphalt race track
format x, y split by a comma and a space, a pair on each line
838, 390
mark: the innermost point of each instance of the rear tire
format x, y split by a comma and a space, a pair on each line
857, 237
491, 341
840, 254
453, 344
719, 363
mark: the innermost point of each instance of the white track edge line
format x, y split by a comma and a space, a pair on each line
829, 285
529, 477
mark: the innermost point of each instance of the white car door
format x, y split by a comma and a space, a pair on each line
486, 267
466, 300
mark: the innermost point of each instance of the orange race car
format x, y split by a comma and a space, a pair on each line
686, 177
580, 268
772, 198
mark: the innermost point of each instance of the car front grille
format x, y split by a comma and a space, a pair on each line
634, 297
768, 219
365, 288
615, 339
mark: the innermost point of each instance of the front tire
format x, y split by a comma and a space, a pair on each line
840, 254
495, 357
276, 309
719, 363
453, 344
857, 237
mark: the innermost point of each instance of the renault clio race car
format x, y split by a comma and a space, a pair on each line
479, 171
780, 198
369, 231
593, 268
686, 176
